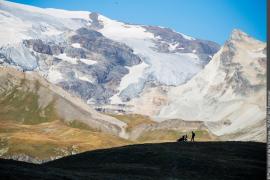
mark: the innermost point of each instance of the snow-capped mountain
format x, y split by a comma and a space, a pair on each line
229, 94
101, 60
141, 69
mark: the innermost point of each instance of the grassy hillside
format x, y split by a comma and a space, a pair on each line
49, 140
172, 135
21, 104
159, 134
133, 120
31, 129
183, 161
35, 133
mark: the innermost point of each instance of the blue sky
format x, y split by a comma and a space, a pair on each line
206, 19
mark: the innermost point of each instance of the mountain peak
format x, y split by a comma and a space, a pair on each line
239, 38
237, 34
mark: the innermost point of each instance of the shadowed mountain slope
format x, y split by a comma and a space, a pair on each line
215, 160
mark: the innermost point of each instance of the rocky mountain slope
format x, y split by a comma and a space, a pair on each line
40, 121
229, 94
28, 92
101, 60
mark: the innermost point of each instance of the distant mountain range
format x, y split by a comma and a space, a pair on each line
149, 83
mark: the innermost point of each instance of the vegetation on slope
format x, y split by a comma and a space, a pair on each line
46, 141
133, 120
30, 131
172, 135
35, 133
21, 104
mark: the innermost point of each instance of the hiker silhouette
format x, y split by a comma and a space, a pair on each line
186, 137
192, 136
181, 139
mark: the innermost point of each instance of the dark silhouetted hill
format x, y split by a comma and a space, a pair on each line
185, 161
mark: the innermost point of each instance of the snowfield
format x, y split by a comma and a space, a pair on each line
26, 22
164, 68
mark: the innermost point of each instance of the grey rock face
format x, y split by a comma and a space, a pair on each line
235, 77
38, 46
114, 52
94, 82
204, 49
75, 52
55, 49
41, 47
95, 24
89, 34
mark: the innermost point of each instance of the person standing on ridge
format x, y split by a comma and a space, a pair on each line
186, 137
192, 136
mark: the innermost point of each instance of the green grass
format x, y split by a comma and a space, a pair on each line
133, 120
51, 139
79, 125
21, 105
171, 135
37, 149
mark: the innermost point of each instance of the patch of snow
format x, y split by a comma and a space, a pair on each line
118, 30
256, 54
48, 11
172, 46
187, 37
50, 31
76, 45
60, 13
64, 57
166, 68
135, 74
158, 37
11, 27
26, 22
20, 56
88, 61
90, 101
83, 77
54, 75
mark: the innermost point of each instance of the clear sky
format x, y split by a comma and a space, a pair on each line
206, 19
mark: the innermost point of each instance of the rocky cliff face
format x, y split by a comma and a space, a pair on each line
169, 41
98, 59
229, 94
91, 66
